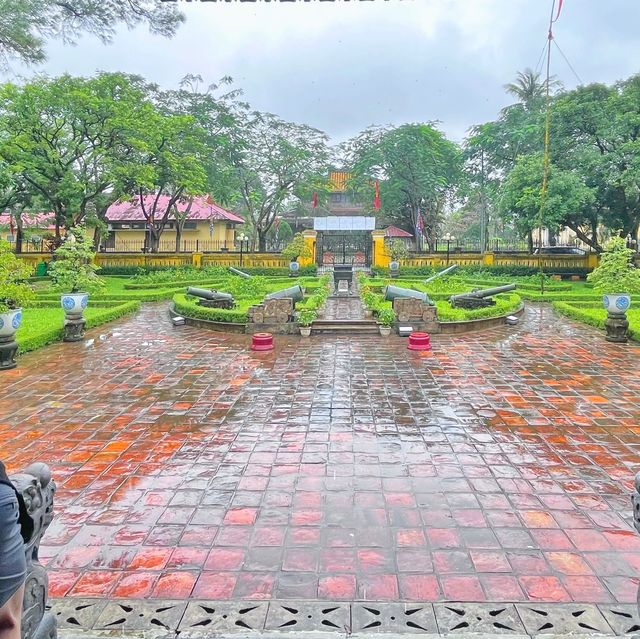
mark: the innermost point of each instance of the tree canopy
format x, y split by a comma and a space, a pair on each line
417, 168
26, 24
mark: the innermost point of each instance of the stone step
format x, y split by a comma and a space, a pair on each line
345, 326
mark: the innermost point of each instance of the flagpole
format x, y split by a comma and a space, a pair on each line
547, 127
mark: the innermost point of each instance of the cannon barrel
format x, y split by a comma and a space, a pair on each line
207, 294
446, 271
392, 292
485, 292
294, 292
236, 271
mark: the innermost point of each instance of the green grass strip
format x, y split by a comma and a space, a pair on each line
42, 326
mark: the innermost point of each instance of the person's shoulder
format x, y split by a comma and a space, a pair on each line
4, 478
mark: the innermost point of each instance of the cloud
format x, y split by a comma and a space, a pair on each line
345, 65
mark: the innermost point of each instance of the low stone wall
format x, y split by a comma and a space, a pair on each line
449, 328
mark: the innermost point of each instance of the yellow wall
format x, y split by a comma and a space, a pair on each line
125, 238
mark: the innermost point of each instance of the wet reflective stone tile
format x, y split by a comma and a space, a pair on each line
497, 468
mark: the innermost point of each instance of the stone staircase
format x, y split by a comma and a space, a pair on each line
353, 326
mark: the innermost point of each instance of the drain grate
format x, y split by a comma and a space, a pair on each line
204, 618
563, 619
623, 618
396, 618
197, 619
159, 617
481, 618
77, 614
299, 617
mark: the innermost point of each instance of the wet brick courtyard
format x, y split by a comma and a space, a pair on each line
498, 467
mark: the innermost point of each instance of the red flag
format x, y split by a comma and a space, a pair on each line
559, 10
419, 223
315, 200
12, 228
376, 199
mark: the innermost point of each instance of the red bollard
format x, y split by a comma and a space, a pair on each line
419, 342
262, 342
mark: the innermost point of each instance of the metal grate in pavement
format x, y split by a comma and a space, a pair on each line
197, 619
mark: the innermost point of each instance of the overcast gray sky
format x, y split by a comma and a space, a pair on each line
345, 65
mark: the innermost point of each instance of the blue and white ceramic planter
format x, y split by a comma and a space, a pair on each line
74, 303
617, 303
294, 267
10, 322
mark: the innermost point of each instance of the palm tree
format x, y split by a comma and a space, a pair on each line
530, 88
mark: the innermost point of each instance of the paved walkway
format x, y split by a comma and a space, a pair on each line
496, 468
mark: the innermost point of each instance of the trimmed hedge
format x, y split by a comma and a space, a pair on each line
568, 296
187, 306
142, 296
596, 316
505, 303
464, 271
521, 285
309, 271
53, 333
153, 286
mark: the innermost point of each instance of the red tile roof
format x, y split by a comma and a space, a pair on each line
131, 211
394, 231
32, 220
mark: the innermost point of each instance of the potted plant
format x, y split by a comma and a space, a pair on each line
386, 317
617, 278
367, 297
295, 249
306, 317
74, 273
397, 250
14, 294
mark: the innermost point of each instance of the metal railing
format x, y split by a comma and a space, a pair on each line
185, 246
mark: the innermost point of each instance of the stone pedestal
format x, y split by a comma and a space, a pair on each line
617, 326
274, 311
74, 328
8, 352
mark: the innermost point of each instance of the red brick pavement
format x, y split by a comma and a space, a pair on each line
495, 468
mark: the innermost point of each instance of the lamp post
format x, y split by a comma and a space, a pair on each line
448, 238
242, 238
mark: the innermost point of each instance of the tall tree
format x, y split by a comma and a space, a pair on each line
274, 162
596, 131
170, 169
25, 24
75, 142
521, 198
417, 168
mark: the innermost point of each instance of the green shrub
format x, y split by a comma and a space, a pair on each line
296, 248
307, 316
73, 269
616, 272
386, 316
14, 293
